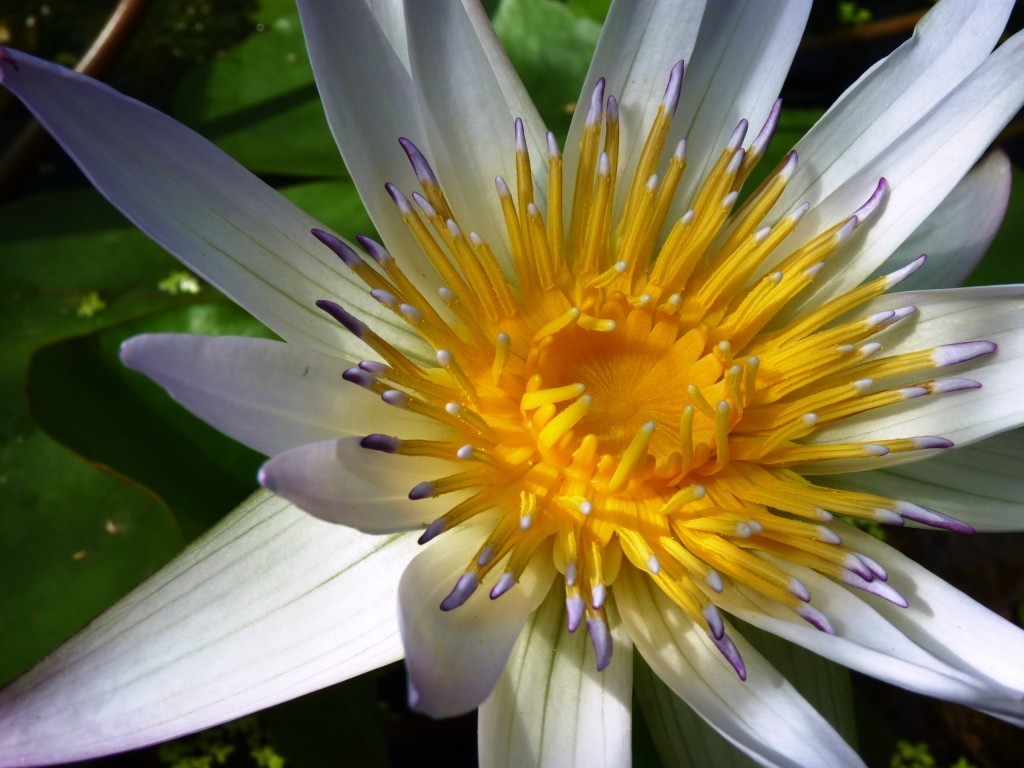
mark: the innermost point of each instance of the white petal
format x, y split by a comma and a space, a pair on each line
269, 395
360, 61
640, 43
267, 606
948, 44
741, 59
946, 622
454, 658
763, 716
341, 482
945, 317
199, 204
922, 166
943, 645
470, 95
551, 707
957, 233
982, 484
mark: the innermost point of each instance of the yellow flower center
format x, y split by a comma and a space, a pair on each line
644, 387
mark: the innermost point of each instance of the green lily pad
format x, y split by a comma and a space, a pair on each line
1002, 263
550, 46
259, 102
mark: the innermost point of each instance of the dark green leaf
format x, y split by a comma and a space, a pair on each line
259, 102
1003, 263
550, 47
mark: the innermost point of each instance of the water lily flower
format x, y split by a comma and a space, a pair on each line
578, 401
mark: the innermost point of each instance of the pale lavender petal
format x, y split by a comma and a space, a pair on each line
199, 204
763, 715
980, 484
946, 317
454, 657
267, 606
469, 96
343, 482
957, 233
269, 395
551, 706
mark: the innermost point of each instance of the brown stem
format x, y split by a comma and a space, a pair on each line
24, 153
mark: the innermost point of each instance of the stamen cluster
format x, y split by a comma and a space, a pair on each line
637, 385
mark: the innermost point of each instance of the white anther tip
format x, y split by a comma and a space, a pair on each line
553, 152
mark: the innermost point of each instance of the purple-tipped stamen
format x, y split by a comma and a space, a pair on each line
738, 134
464, 587
601, 639
342, 249
961, 352
506, 581
395, 397
553, 151
799, 590
932, 442
728, 649
419, 163
611, 114
424, 490
931, 517
386, 298
400, 200
377, 251
815, 618
434, 530
596, 103
520, 136
871, 204
574, 608
714, 619
901, 274
375, 367
382, 443
424, 205
875, 587
953, 384
359, 377
764, 136
873, 565
351, 323
675, 86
